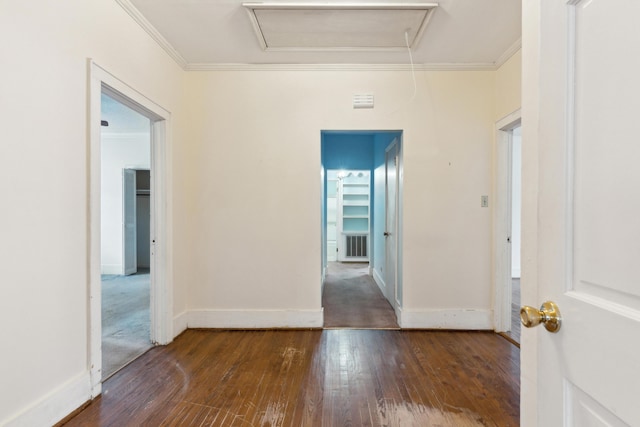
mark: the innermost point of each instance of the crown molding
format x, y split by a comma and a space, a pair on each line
340, 67
512, 50
151, 30
139, 18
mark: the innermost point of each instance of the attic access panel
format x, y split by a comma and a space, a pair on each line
339, 26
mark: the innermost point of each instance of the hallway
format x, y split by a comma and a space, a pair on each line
352, 300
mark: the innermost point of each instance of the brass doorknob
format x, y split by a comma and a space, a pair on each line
549, 315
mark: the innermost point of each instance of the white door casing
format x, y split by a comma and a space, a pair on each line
160, 227
391, 222
129, 218
502, 230
581, 233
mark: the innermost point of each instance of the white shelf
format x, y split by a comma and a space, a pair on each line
354, 210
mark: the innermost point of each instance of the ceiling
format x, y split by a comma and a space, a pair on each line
121, 118
202, 34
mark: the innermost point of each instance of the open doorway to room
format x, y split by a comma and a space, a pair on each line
158, 126
125, 234
507, 227
360, 229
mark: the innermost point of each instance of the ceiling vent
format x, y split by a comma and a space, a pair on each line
339, 26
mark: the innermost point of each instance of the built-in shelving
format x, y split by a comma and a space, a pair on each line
354, 210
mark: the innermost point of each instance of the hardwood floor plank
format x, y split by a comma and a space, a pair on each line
316, 378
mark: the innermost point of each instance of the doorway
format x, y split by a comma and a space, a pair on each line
125, 193
356, 250
507, 229
158, 121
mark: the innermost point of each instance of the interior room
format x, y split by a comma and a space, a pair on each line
125, 234
220, 173
239, 100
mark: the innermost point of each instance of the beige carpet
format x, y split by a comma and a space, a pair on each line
351, 299
125, 320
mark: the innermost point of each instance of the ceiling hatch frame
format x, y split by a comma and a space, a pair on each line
409, 36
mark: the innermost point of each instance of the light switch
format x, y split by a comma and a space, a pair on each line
484, 201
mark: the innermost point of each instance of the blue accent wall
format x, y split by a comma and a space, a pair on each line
359, 150
347, 151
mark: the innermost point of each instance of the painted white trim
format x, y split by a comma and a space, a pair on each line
54, 406
379, 281
454, 318
507, 54
180, 323
509, 121
241, 319
153, 32
101, 81
501, 248
144, 23
342, 67
399, 312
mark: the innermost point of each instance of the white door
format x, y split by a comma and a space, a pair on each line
581, 176
391, 223
129, 234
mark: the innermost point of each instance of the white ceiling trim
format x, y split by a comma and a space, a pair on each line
512, 50
151, 30
340, 67
137, 16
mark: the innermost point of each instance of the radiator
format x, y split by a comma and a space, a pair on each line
356, 246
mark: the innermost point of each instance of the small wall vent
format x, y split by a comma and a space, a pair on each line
363, 100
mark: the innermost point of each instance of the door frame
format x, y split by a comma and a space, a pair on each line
101, 81
373, 243
502, 221
395, 146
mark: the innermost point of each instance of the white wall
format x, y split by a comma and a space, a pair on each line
263, 122
119, 151
508, 86
43, 250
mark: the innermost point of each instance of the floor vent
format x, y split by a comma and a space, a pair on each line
356, 246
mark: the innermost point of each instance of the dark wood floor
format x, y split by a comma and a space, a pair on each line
316, 378
351, 299
516, 326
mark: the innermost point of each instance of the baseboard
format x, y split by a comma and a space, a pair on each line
467, 319
180, 323
111, 269
379, 281
398, 310
54, 406
249, 319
